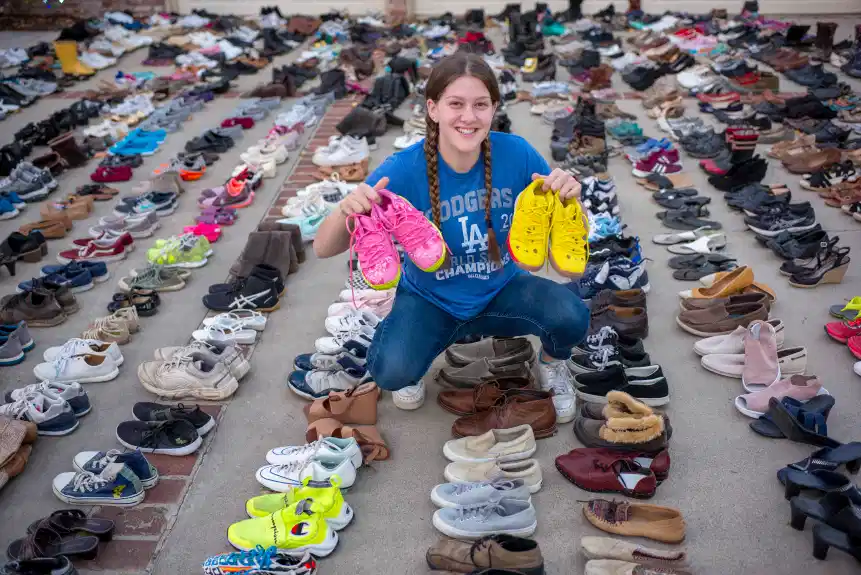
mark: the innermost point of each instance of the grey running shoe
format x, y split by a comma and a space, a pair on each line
139, 226
27, 190
507, 516
156, 278
226, 353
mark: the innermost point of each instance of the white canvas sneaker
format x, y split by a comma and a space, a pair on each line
555, 377
511, 444
282, 478
351, 321
410, 398
85, 368
78, 346
326, 449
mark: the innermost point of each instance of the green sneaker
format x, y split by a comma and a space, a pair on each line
154, 277
179, 252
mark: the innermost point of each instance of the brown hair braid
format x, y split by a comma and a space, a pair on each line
444, 73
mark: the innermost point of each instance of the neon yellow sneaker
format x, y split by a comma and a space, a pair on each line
530, 227
569, 238
292, 530
180, 252
325, 496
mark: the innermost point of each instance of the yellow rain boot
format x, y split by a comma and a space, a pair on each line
67, 53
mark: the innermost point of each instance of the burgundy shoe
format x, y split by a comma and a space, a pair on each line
106, 174
607, 472
246, 122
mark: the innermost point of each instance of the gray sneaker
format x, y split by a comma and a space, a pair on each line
21, 332
318, 102
11, 351
466, 494
226, 353
156, 278
507, 516
34, 174
233, 132
29, 191
140, 226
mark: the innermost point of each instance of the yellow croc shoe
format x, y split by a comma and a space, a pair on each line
325, 496
569, 238
530, 226
292, 530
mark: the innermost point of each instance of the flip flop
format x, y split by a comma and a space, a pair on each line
683, 202
697, 260
68, 521
703, 245
689, 236
46, 542
686, 220
693, 274
849, 312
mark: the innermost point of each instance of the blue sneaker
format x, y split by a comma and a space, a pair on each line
353, 350
260, 561
98, 270
77, 283
96, 461
319, 382
7, 210
115, 485
612, 275
14, 199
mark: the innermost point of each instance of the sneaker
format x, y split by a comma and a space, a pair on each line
71, 393
363, 334
327, 448
116, 485
555, 377
51, 417
352, 350
326, 496
98, 270
75, 282
379, 262
154, 277
155, 412
351, 321
138, 226
78, 346
97, 461
616, 274
348, 151
255, 293
192, 376
225, 353
281, 478
409, 398
320, 382
646, 384
530, 227
179, 252
507, 516
37, 308
293, 530
477, 493
420, 238
177, 437
84, 368
260, 560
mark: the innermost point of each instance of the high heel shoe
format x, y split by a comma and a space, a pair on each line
834, 509
821, 480
831, 458
30, 248
829, 269
825, 537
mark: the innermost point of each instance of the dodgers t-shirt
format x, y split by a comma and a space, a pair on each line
472, 280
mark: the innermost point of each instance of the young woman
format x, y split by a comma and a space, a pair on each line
466, 179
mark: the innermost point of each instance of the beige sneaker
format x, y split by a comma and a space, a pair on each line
500, 445
527, 471
191, 376
227, 354
609, 548
108, 330
130, 316
614, 567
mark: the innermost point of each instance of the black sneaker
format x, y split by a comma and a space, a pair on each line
608, 337
255, 293
59, 565
652, 391
156, 412
599, 360
176, 437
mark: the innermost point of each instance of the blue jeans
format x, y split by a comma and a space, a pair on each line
416, 331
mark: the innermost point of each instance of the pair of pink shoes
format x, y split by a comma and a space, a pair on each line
371, 240
210, 231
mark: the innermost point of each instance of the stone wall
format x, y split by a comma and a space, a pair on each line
39, 12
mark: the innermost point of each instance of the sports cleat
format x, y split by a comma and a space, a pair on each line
326, 498
293, 530
379, 262
530, 227
568, 248
420, 238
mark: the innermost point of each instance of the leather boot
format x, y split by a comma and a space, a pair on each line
295, 235
67, 148
280, 254
252, 255
825, 39
599, 78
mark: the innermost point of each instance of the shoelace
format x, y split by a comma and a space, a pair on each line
557, 378
307, 451
597, 339
106, 459
17, 409
86, 481
371, 244
480, 512
601, 358
291, 468
411, 228
179, 362
502, 484
259, 557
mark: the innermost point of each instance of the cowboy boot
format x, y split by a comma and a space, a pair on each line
252, 254
269, 225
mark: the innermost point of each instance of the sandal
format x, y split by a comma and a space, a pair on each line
821, 480
766, 426
145, 302
797, 423
697, 260
698, 272
687, 219
849, 312
689, 236
831, 458
657, 182
704, 245
373, 445
357, 405
69, 521
671, 202
46, 542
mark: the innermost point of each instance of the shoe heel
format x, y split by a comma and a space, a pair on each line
851, 466
791, 490
820, 546
835, 275
797, 518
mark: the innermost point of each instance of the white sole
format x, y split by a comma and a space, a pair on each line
103, 259
178, 451
700, 333
446, 529
121, 502
321, 550
194, 393
651, 402
343, 519
59, 433
451, 456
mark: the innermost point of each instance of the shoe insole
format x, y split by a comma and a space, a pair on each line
630, 480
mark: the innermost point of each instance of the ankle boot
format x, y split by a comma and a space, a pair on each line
67, 148
271, 225
280, 254
825, 39
252, 255
795, 35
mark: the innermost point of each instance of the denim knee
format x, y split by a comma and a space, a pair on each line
396, 367
569, 324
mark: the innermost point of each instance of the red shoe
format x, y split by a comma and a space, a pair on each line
719, 98
93, 252
660, 162
710, 167
106, 174
842, 331
107, 240
210, 231
246, 122
610, 473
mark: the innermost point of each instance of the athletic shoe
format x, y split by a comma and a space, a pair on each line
327, 449
568, 246
52, 417
282, 478
616, 274
226, 353
331, 345
78, 346
293, 530
351, 321
379, 262
84, 368
155, 412
352, 350
421, 239
319, 383
192, 376
115, 485
326, 496
555, 377
177, 437
97, 461
261, 561
71, 393
530, 227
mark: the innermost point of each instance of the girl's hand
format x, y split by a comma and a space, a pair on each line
562, 182
360, 200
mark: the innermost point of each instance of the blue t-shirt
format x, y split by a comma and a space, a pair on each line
467, 286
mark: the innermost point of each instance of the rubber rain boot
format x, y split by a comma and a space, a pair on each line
67, 53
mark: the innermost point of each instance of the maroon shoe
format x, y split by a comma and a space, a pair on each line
607, 471
106, 174
246, 122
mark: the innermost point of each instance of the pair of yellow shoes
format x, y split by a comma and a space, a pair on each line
545, 228
306, 518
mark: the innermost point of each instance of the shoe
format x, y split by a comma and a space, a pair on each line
43, 566
85, 368
329, 448
71, 393
421, 240
293, 530
116, 485
255, 293
509, 443
530, 227
663, 524
177, 437
318, 383
155, 412
621, 550
214, 352
505, 517
195, 375
379, 262
261, 560
282, 478
646, 384
326, 498
52, 417
95, 462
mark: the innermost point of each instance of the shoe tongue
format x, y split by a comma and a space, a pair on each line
111, 471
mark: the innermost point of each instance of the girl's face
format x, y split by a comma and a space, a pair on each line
464, 113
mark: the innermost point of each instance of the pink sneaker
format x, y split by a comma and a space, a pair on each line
421, 239
209, 231
378, 257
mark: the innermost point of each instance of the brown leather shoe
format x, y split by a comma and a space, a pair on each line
76, 211
627, 321
482, 371
809, 163
720, 319
621, 298
527, 407
498, 551
499, 351
481, 398
759, 298
52, 229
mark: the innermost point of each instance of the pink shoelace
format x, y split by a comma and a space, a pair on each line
368, 242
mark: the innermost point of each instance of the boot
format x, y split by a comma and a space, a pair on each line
795, 35
825, 39
67, 53
67, 148
634, 6
575, 10
750, 7
280, 254
272, 225
252, 255
599, 78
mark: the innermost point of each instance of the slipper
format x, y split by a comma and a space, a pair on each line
697, 260
69, 521
46, 542
683, 202
670, 239
703, 245
674, 193
695, 273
